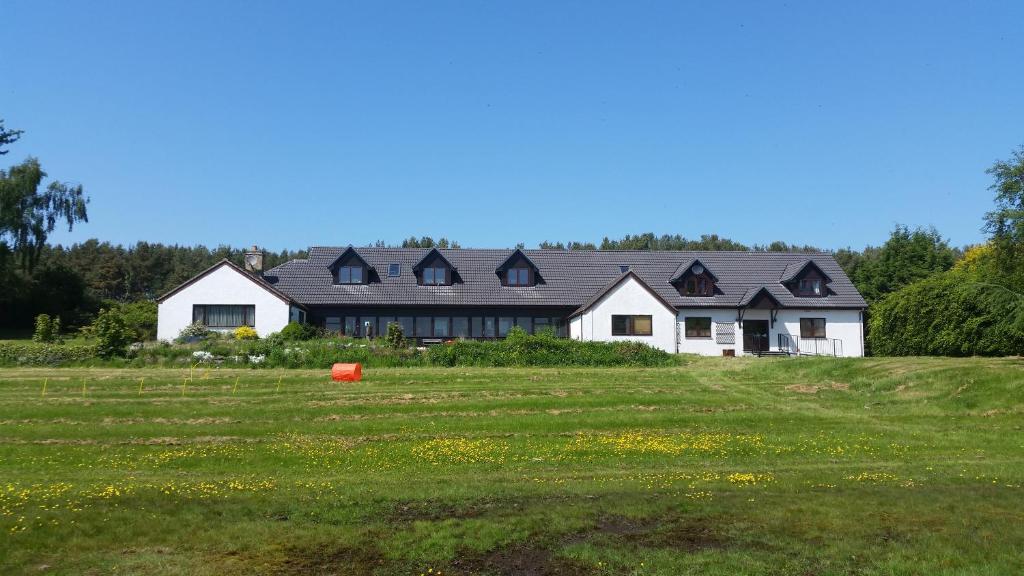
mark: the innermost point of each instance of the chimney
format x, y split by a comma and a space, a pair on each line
254, 260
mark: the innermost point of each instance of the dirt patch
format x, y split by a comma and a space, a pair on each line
691, 535
814, 388
432, 510
519, 560
328, 560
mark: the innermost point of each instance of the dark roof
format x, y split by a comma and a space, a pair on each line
611, 286
797, 268
261, 282
350, 251
571, 278
685, 267
429, 254
512, 258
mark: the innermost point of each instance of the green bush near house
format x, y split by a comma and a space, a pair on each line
112, 333
545, 349
47, 329
45, 354
297, 331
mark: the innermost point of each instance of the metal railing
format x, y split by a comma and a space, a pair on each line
810, 346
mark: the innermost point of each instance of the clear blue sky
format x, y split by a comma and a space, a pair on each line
291, 124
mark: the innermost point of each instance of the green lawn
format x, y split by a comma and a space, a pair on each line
810, 466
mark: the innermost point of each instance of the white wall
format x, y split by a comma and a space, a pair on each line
629, 297
225, 285
844, 325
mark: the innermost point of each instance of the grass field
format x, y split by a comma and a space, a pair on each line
812, 466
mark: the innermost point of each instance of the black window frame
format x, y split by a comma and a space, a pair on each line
625, 324
693, 331
809, 291
434, 276
517, 277
349, 269
805, 322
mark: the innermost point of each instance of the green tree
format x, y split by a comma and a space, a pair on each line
907, 256
1006, 222
113, 334
7, 137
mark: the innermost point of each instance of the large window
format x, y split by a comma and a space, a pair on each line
460, 327
350, 275
631, 325
698, 327
519, 277
423, 326
407, 325
332, 324
526, 323
224, 315
698, 286
812, 328
489, 327
351, 326
504, 325
441, 327
434, 276
809, 287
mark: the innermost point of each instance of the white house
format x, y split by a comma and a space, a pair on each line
224, 297
710, 302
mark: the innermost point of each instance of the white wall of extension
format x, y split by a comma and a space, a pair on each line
669, 329
225, 285
630, 298
843, 325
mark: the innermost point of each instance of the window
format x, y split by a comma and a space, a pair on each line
812, 328
460, 327
518, 276
504, 325
489, 327
477, 327
698, 286
406, 323
434, 276
224, 315
332, 324
351, 326
422, 326
526, 323
809, 287
385, 321
698, 327
368, 324
350, 275
541, 325
394, 269
631, 325
623, 268
441, 327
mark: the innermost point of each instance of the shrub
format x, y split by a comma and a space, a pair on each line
47, 329
246, 333
296, 331
140, 317
43, 354
194, 332
113, 334
395, 337
545, 349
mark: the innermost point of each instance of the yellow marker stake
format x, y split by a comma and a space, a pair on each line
45, 380
183, 383
83, 387
279, 383
141, 380
233, 390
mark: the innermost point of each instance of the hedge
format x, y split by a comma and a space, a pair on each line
546, 350
43, 354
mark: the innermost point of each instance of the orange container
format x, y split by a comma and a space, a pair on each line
347, 372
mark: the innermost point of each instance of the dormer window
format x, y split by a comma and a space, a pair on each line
809, 287
518, 276
350, 275
517, 270
435, 276
694, 280
806, 280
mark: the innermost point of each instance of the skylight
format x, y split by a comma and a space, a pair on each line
394, 269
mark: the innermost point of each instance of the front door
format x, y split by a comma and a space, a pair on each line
755, 336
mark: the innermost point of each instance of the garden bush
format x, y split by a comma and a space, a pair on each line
194, 332
296, 331
113, 334
47, 329
246, 333
45, 354
545, 349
